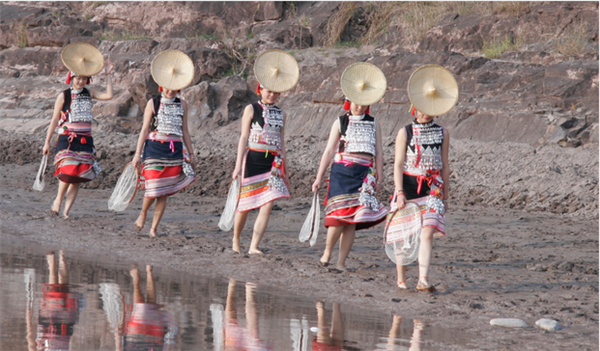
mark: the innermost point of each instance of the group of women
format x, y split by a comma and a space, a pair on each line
164, 152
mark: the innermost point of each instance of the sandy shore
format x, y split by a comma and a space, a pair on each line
492, 264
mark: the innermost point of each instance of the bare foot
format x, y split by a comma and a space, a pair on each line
65, 216
236, 245
153, 233
139, 223
340, 267
134, 272
50, 260
255, 252
55, 208
324, 261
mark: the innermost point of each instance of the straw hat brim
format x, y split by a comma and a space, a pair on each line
172, 69
83, 59
363, 83
433, 90
276, 70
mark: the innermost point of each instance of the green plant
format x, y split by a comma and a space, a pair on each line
346, 44
87, 16
495, 47
112, 36
250, 35
22, 35
574, 40
304, 20
338, 21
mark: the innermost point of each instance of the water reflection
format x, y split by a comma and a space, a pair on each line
73, 303
59, 308
143, 325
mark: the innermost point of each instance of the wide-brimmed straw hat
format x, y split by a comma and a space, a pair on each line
432, 90
172, 69
82, 59
363, 83
276, 70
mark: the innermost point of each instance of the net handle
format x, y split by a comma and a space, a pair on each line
312, 227
387, 225
137, 180
239, 190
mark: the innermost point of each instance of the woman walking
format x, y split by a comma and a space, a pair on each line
75, 158
421, 168
261, 149
164, 148
357, 170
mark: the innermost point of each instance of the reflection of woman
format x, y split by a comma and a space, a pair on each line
147, 325
164, 148
329, 339
59, 309
237, 337
394, 336
75, 153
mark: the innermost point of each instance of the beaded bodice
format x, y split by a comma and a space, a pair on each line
424, 147
265, 130
170, 116
81, 106
360, 134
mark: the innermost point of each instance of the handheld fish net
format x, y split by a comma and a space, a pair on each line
310, 228
402, 233
125, 189
228, 215
39, 183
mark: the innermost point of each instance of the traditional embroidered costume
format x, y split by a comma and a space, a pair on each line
75, 158
422, 181
263, 167
166, 167
351, 193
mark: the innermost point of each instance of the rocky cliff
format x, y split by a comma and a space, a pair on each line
528, 74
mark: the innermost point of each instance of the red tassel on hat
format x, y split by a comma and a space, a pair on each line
368, 110
69, 78
412, 110
258, 88
160, 89
347, 105
89, 80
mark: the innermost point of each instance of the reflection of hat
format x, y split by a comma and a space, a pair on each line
276, 70
363, 83
172, 69
83, 59
433, 90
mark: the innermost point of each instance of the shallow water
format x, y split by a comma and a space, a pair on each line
65, 300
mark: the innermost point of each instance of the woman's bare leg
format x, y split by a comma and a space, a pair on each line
139, 223
230, 311
401, 270
63, 273
251, 315
238, 226
333, 235
62, 189
71, 195
137, 293
159, 210
337, 327
150, 290
51, 260
346, 242
425, 254
260, 225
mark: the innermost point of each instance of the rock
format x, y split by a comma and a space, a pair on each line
548, 324
232, 97
509, 323
142, 89
209, 64
268, 10
289, 35
201, 101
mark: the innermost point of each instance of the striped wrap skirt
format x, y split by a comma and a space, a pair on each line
166, 167
351, 193
75, 158
262, 180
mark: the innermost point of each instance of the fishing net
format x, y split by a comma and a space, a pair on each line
310, 228
228, 215
39, 183
125, 189
113, 303
402, 234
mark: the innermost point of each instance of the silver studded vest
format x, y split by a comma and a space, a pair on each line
358, 134
424, 147
80, 110
170, 117
265, 130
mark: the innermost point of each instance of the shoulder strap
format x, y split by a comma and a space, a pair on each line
343, 124
258, 118
67, 103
